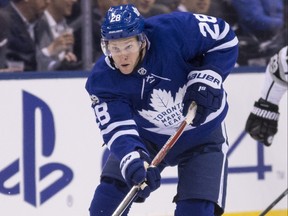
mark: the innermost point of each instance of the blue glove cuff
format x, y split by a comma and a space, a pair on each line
126, 160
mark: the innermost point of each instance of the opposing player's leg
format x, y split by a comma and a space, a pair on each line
111, 191
205, 185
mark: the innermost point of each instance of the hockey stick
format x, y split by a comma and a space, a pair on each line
274, 203
157, 159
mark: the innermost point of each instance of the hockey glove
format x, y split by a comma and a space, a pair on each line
207, 98
134, 169
262, 122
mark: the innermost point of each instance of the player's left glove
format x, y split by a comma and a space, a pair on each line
262, 122
135, 170
207, 98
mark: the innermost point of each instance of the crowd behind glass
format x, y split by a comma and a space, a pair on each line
46, 35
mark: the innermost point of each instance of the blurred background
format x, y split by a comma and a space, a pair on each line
61, 35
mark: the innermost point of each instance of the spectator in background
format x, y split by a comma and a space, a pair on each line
260, 22
3, 40
104, 5
75, 13
224, 10
100, 9
172, 5
148, 8
56, 38
22, 41
113, 3
195, 6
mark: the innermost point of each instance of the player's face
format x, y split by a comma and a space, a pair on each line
106, 4
37, 8
125, 53
144, 6
63, 7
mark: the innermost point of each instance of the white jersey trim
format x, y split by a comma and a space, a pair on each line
228, 44
224, 32
126, 160
225, 147
117, 124
121, 133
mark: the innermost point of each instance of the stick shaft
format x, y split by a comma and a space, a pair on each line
274, 203
173, 139
169, 144
157, 159
127, 200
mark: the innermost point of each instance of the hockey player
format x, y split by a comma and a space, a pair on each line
262, 123
141, 90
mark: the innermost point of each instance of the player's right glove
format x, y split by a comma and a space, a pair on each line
262, 122
207, 98
135, 170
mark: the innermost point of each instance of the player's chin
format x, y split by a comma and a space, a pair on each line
126, 69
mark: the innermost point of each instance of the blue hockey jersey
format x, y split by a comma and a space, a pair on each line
147, 104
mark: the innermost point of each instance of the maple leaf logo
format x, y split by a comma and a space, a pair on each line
167, 111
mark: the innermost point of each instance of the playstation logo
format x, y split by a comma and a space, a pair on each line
32, 173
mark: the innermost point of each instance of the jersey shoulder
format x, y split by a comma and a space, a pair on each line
170, 22
108, 83
278, 66
101, 76
171, 31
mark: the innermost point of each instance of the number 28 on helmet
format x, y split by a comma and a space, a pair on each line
120, 22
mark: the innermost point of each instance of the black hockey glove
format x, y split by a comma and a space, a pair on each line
134, 170
207, 98
262, 122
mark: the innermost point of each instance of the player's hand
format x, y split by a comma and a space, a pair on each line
207, 98
262, 122
135, 170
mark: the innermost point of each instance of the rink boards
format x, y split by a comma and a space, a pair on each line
51, 154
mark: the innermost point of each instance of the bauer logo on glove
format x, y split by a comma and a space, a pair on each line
205, 88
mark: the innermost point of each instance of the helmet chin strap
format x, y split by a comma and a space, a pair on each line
112, 62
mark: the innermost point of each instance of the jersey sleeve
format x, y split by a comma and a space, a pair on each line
114, 115
276, 77
211, 39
